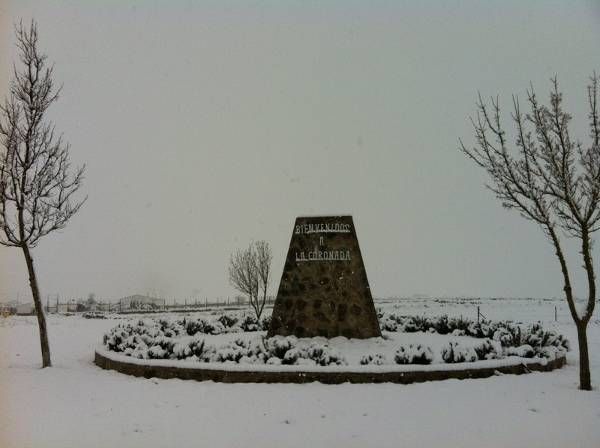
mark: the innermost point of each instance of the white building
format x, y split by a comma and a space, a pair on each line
140, 302
25, 309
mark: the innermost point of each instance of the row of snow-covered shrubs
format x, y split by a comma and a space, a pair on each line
509, 334
184, 339
224, 323
455, 352
532, 340
147, 341
452, 352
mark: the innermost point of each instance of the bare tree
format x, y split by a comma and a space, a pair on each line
263, 264
36, 180
91, 299
550, 179
249, 271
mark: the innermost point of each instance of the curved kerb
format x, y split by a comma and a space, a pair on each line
150, 369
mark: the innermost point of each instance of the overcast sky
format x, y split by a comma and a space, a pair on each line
205, 125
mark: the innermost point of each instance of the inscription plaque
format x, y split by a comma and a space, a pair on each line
324, 289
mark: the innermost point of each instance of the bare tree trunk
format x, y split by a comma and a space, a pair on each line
585, 382
580, 323
257, 307
264, 300
584, 360
39, 309
253, 304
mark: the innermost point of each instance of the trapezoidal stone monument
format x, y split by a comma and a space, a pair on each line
324, 289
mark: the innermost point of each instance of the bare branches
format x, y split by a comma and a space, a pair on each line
249, 272
243, 274
549, 178
263, 263
37, 184
514, 182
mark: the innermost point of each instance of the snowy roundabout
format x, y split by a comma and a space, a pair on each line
233, 348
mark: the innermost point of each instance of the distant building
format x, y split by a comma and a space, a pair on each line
140, 302
25, 309
69, 307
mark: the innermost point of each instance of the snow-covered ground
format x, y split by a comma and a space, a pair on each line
78, 404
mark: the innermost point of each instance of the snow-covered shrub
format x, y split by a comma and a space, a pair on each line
162, 323
191, 326
228, 320
125, 336
454, 352
323, 355
265, 323
213, 327
549, 352
201, 350
292, 356
486, 350
182, 350
114, 338
440, 325
504, 336
168, 327
481, 330
459, 323
388, 323
413, 354
416, 323
376, 359
406, 325
139, 352
277, 346
162, 348
157, 352
274, 361
249, 323
232, 351
523, 351
285, 349
205, 326
537, 337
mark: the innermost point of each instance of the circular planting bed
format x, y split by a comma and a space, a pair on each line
234, 348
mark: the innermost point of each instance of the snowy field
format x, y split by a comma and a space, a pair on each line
76, 404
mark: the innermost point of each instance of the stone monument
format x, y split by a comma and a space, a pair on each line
324, 289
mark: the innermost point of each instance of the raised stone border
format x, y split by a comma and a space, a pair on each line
327, 375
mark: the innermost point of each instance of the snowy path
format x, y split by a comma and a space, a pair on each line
76, 404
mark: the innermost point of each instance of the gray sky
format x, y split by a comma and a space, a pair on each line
205, 125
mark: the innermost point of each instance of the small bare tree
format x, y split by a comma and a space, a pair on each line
249, 271
36, 180
550, 179
263, 264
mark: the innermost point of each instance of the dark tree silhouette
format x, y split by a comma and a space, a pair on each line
550, 179
36, 181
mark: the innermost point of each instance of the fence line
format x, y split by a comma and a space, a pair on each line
55, 306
